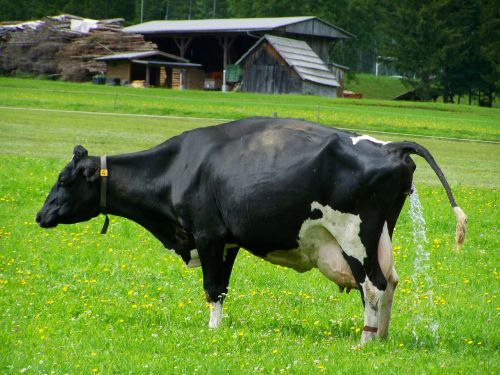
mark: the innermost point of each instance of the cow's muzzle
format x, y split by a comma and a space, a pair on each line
45, 220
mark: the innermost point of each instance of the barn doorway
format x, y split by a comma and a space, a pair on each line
147, 73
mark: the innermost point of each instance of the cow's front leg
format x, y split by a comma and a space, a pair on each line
216, 263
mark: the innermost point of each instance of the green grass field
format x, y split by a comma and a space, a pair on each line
433, 119
74, 301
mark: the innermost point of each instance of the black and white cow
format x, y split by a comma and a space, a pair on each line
294, 193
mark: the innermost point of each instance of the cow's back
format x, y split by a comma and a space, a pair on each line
257, 178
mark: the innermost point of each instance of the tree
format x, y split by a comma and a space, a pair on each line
364, 19
416, 39
489, 50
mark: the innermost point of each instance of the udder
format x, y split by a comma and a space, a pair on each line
333, 265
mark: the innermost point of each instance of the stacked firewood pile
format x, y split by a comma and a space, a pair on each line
64, 46
77, 60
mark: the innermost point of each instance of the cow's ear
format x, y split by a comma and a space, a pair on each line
79, 152
90, 171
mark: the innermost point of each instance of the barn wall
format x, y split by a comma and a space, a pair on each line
194, 79
266, 72
317, 89
118, 69
318, 45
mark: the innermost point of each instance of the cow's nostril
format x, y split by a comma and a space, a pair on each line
38, 218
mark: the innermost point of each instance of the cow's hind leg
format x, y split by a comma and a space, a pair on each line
386, 262
369, 276
373, 294
216, 263
386, 306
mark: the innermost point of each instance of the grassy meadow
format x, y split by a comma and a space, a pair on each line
430, 119
74, 301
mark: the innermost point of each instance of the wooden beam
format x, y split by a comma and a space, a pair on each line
226, 42
183, 44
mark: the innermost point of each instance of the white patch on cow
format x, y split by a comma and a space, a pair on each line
355, 140
195, 259
215, 314
321, 242
344, 228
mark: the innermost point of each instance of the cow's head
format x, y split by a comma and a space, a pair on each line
75, 195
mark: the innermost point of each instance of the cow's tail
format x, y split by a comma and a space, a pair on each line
407, 148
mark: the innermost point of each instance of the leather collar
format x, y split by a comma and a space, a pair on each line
103, 173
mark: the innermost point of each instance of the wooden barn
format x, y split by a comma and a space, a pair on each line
152, 69
277, 65
216, 44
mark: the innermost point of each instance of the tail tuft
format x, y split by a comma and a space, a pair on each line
461, 227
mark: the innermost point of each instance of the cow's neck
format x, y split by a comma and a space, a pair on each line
139, 190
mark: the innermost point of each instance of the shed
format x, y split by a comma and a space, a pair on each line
153, 68
216, 43
281, 65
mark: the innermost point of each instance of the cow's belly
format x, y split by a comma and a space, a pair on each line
321, 243
324, 255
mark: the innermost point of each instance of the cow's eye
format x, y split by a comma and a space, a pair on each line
62, 181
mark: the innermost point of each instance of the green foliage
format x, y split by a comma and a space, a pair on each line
448, 46
73, 301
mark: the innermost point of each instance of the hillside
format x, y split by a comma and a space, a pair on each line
373, 87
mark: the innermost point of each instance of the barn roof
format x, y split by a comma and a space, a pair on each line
300, 57
141, 55
300, 25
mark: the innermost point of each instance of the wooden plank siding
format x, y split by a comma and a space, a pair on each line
277, 65
118, 70
316, 27
266, 71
